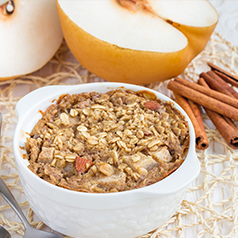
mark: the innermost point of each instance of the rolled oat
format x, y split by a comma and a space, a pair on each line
107, 142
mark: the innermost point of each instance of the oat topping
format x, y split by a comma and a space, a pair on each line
107, 142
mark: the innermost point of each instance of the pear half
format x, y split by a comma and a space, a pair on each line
136, 41
29, 37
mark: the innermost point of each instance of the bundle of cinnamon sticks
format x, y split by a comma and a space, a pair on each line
214, 92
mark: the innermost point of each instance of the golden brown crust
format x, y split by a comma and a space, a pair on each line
107, 142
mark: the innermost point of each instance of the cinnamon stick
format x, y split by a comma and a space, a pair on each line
216, 83
230, 122
227, 78
194, 114
225, 126
215, 67
225, 75
197, 113
205, 100
207, 91
220, 85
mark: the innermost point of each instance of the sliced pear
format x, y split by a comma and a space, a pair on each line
136, 41
29, 37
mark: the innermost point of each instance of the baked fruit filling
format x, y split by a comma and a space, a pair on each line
107, 142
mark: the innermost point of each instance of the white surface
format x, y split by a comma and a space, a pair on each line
228, 27
228, 19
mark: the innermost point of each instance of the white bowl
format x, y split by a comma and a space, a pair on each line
124, 214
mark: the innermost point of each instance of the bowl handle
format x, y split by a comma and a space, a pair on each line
33, 98
177, 181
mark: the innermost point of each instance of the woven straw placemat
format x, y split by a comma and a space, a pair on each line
209, 208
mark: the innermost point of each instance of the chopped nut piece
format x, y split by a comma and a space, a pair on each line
152, 105
82, 164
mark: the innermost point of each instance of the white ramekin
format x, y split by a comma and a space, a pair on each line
125, 214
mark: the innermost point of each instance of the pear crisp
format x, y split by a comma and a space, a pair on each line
107, 142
